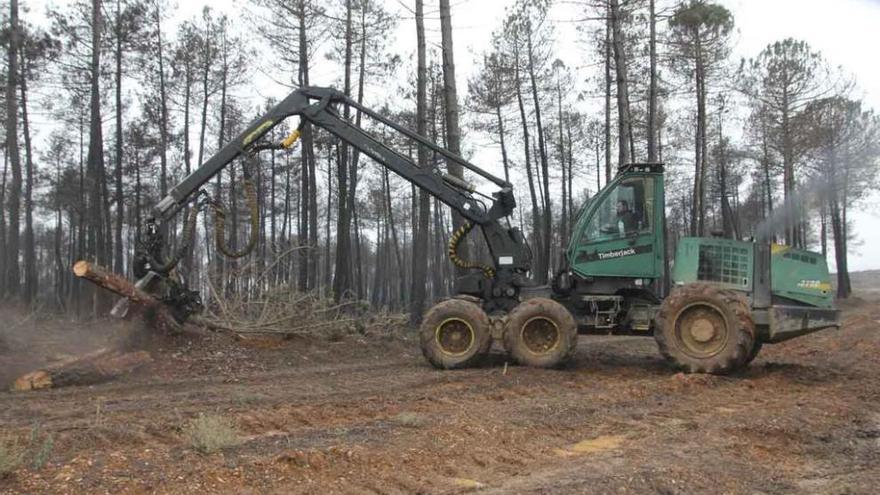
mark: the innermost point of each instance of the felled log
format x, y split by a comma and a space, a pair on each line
96, 367
152, 307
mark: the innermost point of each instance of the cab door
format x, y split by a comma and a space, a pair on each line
620, 232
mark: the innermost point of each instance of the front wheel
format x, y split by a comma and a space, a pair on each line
703, 329
455, 334
540, 332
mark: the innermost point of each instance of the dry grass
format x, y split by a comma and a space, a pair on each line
11, 455
410, 419
211, 433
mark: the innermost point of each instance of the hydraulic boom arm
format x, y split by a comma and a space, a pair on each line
318, 106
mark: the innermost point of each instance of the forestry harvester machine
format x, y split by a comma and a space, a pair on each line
727, 297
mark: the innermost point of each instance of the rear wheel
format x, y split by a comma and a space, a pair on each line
455, 334
540, 332
703, 329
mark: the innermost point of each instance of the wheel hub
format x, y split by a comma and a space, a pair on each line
701, 330
454, 336
540, 335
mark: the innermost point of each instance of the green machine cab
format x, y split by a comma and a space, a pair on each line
711, 307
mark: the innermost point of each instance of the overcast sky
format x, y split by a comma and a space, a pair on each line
845, 31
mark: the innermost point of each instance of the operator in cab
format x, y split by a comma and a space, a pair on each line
627, 222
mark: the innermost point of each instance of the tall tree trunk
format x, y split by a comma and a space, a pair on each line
120, 209
624, 125
96, 246
440, 265
563, 223
840, 258
218, 262
272, 207
163, 109
420, 231
536, 222
353, 174
208, 56
328, 270
547, 207
607, 100
163, 125
702, 115
765, 163
394, 238
309, 195
791, 232
12, 280
137, 194
60, 266
723, 161
697, 207
342, 278
450, 96
3, 251
652, 84
30, 262
82, 210
501, 137
225, 285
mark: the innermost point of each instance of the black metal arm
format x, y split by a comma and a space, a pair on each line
317, 105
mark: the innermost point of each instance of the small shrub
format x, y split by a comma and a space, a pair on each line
211, 433
40, 446
11, 456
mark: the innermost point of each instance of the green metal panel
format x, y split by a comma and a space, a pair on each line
601, 248
722, 262
801, 276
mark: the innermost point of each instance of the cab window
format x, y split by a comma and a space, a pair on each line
627, 209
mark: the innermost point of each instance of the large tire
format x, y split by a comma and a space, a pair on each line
704, 329
455, 334
540, 332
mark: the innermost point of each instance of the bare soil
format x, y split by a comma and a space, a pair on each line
366, 414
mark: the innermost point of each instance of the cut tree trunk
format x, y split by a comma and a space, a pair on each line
96, 367
152, 308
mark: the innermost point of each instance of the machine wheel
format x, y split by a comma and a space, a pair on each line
540, 332
703, 329
455, 334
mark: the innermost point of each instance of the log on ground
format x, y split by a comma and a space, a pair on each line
96, 367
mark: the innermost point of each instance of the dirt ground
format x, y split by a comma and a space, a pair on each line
366, 414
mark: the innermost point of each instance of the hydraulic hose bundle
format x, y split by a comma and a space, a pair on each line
150, 254
456, 239
250, 194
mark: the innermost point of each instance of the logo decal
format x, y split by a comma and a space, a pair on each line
815, 285
585, 257
616, 254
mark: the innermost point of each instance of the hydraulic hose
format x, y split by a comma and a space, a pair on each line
250, 193
165, 266
457, 237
